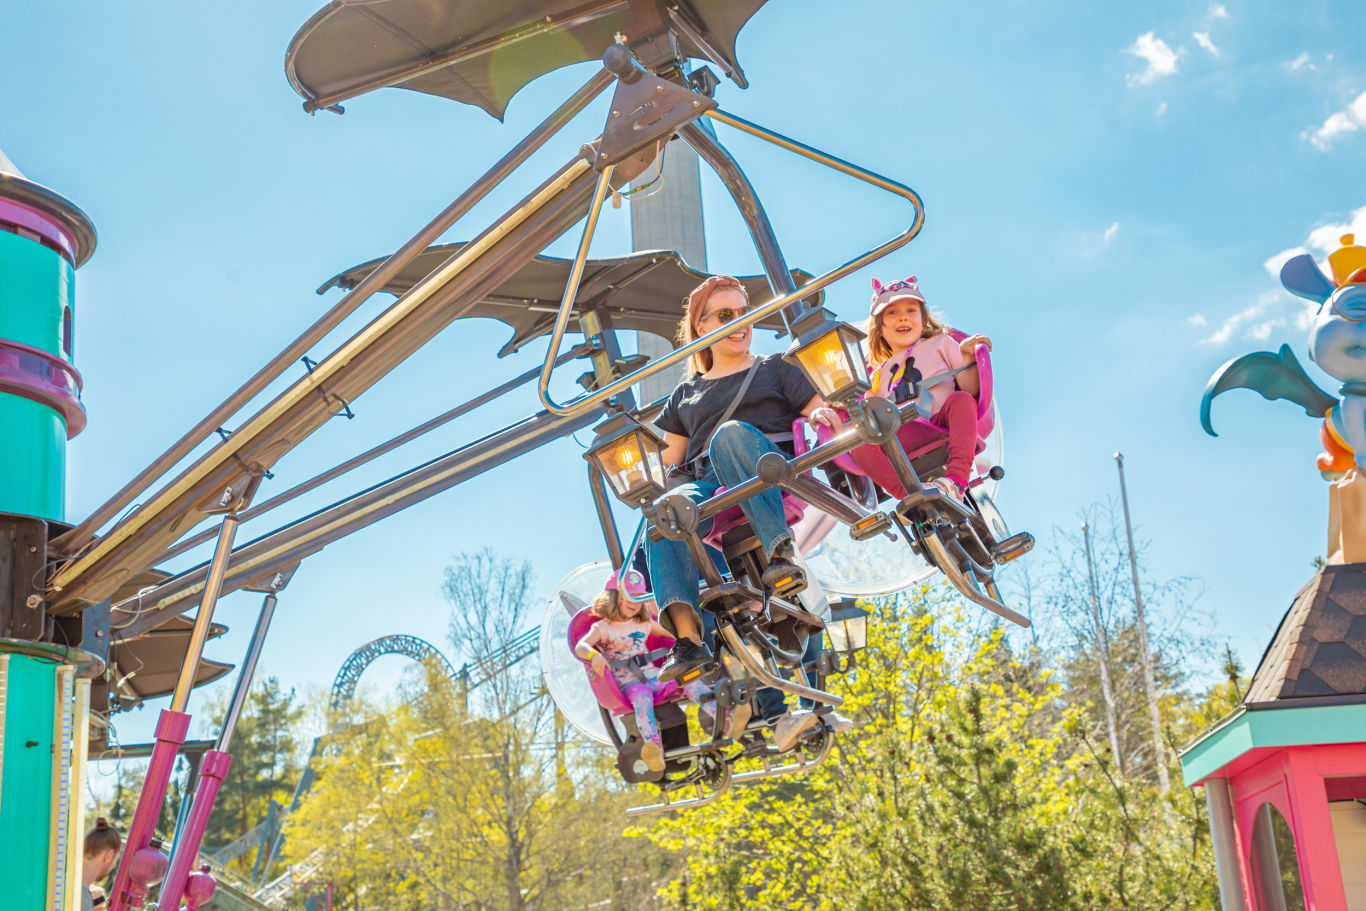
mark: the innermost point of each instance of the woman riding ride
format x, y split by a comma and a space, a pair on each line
719, 420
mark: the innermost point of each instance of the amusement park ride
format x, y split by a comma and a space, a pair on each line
82, 606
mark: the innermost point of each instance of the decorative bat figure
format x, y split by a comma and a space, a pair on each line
1337, 343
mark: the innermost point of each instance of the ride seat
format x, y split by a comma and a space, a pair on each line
605, 688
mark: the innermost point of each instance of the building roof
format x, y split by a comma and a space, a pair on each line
1319, 650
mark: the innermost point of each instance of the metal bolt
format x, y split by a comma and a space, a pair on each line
659, 88
33, 602
696, 104
616, 113
99, 634
33, 548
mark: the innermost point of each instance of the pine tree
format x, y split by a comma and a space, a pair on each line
265, 763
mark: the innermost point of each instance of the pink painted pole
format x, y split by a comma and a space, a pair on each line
211, 775
1315, 843
170, 734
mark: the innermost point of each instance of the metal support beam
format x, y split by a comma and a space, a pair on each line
84, 533
751, 209
286, 546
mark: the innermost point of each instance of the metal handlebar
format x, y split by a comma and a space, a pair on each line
592, 399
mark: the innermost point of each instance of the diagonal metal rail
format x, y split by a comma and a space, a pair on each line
413, 320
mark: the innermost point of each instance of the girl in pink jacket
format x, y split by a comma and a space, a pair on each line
904, 334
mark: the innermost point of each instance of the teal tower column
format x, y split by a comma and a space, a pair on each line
44, 237
44, 687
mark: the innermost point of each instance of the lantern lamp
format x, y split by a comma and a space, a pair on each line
829, 353
630, 456
847, 627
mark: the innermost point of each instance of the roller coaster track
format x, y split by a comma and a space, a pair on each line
262, 892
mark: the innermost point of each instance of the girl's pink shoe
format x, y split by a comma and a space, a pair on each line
949, 486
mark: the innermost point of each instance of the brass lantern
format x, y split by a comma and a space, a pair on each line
829, 353
847, 627
630, 456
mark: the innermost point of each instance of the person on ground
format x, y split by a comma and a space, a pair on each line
906, 339
102, 845
733, 407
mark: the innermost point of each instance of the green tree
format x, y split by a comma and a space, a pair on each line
265, 763
448, 797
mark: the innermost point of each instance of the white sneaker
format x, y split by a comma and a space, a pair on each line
791, 727
838, 723
949, 487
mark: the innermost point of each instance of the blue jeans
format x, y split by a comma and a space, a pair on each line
734, 457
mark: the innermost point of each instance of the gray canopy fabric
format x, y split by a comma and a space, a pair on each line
149, 666
644, 291
482, 53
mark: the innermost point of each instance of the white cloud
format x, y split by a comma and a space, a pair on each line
1111, 231
1253, 317
1273, 263
1203, 39
1327, 237
1218, 11
1302, 62
1348, 120
1277, 312
1161, 109
1161, 60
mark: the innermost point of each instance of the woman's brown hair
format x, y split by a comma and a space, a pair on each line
103, 837
878, 348
692, 311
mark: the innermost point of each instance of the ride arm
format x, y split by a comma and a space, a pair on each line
1273, 376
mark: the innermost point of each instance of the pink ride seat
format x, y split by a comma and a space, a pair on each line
605, 689
726, 519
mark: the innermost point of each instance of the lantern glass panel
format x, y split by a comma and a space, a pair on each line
848, 628
826, 363
839, 636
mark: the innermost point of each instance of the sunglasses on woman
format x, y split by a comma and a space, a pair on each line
725, 314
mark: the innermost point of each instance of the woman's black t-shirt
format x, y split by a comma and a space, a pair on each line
775, 397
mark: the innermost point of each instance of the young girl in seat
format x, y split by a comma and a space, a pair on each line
616, 644
903, 335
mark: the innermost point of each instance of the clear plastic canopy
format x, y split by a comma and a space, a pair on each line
564, 676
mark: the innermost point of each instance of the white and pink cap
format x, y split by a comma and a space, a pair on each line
634, 589
902, 289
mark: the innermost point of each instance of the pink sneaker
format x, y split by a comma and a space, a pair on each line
949, 486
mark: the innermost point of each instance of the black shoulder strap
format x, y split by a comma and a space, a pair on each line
730, 409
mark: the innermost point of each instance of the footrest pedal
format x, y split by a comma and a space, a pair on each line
1017, 545
871, 526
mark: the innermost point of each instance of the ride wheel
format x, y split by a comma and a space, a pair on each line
714, 777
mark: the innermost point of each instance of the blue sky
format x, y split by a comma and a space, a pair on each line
1105, 185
